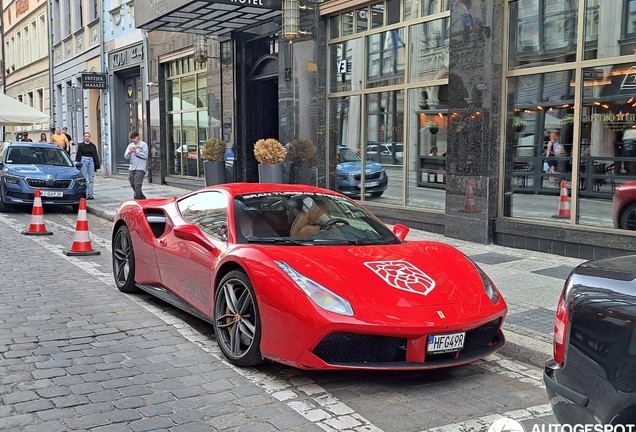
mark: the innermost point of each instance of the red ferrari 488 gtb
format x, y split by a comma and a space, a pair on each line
307, 277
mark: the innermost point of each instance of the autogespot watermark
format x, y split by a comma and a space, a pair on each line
505, 424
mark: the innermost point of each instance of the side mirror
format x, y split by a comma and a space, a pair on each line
194, 234
400, 231
79, 165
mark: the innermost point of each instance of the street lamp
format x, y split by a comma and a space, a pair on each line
200, 49
291, 20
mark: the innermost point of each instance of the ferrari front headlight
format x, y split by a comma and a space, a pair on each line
326, 299
489, 287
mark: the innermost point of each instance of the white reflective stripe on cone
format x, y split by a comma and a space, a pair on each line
82, 237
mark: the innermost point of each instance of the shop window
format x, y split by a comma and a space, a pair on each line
607, 146
362, 20
334, 26
411, 9
540, 119
392, 12
542, 32
383, 148
429, 43
385, 58
377, 15
347, 23
426, 143
345, 71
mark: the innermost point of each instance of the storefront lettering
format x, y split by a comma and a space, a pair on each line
127, 57
119, 59
249, 2
612, 121
385, 129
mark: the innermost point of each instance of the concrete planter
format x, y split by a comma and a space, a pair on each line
270, 173
214, 172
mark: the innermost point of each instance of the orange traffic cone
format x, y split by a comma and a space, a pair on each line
470, 206
82, 240
564, 203
37, 218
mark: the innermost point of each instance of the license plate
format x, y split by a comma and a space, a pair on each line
445, 343
370, 184
52, 194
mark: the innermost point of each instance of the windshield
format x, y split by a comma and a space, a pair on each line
293, 218
345, 154
38, 156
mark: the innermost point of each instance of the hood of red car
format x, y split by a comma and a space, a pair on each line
414, 274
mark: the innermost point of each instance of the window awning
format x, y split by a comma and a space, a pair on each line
203, 17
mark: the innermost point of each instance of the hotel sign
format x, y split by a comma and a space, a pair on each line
94, 81
158, 14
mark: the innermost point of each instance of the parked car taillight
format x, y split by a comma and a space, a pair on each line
560, 330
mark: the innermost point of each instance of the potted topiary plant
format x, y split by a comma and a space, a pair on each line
214, 166
302, 155
432, 127
270, 155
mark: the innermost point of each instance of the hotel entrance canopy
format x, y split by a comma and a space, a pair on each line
217, 17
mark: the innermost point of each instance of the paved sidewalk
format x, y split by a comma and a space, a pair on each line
529, 281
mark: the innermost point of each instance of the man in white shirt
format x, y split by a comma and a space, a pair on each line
137, 152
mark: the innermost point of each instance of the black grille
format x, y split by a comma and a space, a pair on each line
55, 184
371, 176
352, 348
360, 348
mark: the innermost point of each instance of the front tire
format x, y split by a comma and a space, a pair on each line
124, 261
237, 322
627, 221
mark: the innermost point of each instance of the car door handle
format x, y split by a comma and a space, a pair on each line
162, 242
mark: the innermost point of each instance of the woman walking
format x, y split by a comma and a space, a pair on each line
88, 156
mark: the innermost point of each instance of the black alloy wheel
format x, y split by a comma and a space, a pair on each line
237, 323
124, 261
627, 220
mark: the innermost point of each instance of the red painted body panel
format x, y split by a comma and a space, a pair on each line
623, 195
292, 324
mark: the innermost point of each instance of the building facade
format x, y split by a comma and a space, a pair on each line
26, 61
509, 121
124, 60
76, 49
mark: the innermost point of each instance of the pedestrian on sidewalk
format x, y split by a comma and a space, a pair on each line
69, 138
89, 157
137, 152
61, 140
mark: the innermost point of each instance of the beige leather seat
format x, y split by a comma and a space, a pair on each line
307, 223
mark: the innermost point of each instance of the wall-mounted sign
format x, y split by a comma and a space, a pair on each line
126, 57
94, 81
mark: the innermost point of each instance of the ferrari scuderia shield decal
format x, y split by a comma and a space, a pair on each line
403, 275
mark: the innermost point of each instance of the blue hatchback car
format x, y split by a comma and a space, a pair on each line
26, 166
349, 169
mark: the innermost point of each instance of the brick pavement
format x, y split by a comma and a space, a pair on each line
77, 355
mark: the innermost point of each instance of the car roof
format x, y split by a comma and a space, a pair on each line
32, 144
